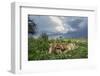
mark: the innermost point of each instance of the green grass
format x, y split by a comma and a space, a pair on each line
38, 49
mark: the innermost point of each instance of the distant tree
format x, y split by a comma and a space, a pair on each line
44, 36
60, 37
31, 26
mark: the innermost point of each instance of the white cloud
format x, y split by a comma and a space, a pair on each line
59, 26
57, 23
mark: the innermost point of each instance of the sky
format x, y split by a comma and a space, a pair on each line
65, 26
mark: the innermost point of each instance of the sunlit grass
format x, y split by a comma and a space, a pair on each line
38, 49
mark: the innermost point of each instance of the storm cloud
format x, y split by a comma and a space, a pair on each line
66, 26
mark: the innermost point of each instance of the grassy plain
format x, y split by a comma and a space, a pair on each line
38, 49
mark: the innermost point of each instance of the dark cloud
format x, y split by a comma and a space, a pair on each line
74, 26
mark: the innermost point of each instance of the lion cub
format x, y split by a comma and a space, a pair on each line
61, 47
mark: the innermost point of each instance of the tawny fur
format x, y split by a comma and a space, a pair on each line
60, 48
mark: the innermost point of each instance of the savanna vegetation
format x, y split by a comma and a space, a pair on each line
38, 48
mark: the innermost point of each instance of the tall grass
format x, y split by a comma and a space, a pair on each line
38, 49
